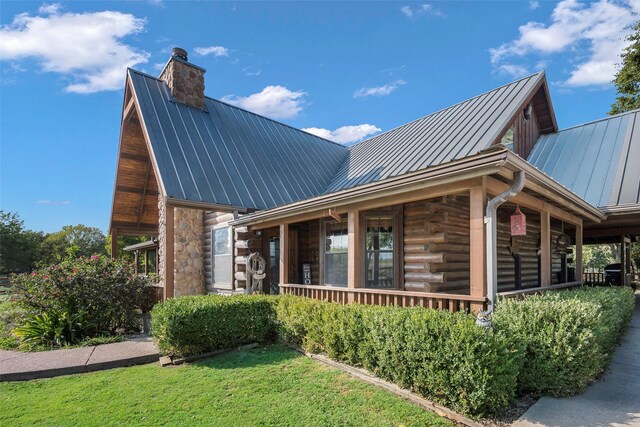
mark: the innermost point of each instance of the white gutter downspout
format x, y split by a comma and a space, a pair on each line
491, 233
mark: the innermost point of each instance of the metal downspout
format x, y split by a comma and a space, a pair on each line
491, 233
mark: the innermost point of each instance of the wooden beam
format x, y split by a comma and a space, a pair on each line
114, 242
527, 200
477, 266
135, 157
545, 249
128, 109
379, 202
134, 190
623, 261
284, 253
153, 228
354, 275
169, 253
579, 266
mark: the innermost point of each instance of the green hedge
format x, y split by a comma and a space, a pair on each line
552, 344
568, 337
201, 324
438, 354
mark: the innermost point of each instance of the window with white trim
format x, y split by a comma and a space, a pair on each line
221, 265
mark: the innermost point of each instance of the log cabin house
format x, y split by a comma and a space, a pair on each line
487, 196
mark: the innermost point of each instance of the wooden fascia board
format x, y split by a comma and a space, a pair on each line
552, 113
495, 186
179, 203
460, 170
147, 139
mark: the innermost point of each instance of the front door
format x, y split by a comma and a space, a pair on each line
271, 248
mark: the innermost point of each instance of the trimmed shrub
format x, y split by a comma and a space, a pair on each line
438, 354
200, 324
107, 293
568, 337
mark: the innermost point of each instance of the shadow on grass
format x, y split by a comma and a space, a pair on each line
265, 354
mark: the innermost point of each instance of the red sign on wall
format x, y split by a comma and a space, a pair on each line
518, 223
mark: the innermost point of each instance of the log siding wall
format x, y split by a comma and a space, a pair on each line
436, 245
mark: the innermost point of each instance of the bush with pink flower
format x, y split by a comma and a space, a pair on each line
105, 292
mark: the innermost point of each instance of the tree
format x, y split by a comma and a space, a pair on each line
627, 79
71, 242
19, 248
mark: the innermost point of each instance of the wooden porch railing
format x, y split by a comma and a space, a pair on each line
596, 278
451, 302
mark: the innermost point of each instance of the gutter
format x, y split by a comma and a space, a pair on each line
491, 236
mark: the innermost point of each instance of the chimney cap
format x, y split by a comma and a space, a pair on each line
178, 52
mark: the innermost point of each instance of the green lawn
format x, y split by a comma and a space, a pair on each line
265, 386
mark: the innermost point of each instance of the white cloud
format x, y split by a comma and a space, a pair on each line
596, 31
345, 134
277, 102
87, 47
215, 50
407, 11
514, 70
49, 8
534, 4
53, 202
383, 90
421, 9
251, 72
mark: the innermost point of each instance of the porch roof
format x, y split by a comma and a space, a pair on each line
599, 161
497, 161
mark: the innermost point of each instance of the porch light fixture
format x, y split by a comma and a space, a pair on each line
527, 112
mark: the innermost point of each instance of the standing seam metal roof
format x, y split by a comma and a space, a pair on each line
455, 132
229, 156
599, 161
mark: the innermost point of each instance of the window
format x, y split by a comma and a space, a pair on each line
336, 242
379, 252
221, 254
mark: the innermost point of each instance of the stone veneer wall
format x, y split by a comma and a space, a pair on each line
185, 81
188, 254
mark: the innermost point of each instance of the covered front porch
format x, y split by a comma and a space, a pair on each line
424, 246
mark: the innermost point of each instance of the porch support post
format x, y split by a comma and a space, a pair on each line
114, 243
579, 266
623, 261
477, 271
545, 249
354, 276
169, 252
284, 254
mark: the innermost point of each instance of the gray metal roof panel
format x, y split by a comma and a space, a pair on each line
229, 156
455, 132
599, 161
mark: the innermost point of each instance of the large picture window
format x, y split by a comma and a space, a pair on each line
336, 242
379, 252
221, 254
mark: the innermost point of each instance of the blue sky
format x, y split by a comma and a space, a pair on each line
343, 70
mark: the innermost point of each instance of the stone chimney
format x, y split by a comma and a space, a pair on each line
185, 80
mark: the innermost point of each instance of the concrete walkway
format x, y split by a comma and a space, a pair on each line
17, 366
613, 401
